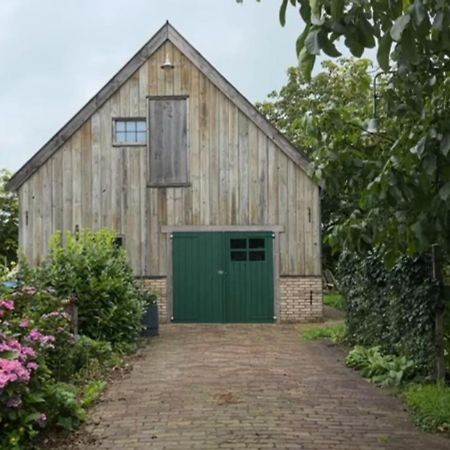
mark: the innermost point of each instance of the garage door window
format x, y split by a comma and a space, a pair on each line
247, 249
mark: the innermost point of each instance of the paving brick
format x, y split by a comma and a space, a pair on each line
246, 386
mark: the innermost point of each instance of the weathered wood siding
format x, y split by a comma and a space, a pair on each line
238, 176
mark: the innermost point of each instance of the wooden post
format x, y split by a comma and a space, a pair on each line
439, 315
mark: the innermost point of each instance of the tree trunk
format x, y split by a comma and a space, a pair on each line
439, 316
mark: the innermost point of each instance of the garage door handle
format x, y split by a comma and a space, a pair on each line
220, 272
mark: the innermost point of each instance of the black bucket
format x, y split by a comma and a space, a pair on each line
150, 321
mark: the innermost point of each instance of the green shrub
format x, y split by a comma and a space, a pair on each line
384, 370
430, 405
335, 300
62, 406
92, 268
393, 309
92, 392
335, 332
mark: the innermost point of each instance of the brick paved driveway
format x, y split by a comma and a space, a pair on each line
247, 386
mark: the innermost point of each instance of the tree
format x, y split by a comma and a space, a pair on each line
328, 115
9, 221
405, 208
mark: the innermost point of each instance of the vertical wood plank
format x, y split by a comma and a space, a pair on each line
283, 213
262, 178
243, 179
86, 175
254, 186
233, 155
224, 162
213, 150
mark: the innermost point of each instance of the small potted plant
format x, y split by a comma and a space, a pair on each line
150, 319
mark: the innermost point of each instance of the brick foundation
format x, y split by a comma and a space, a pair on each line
159, 287
300, 299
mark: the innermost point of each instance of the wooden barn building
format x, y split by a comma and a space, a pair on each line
214, 206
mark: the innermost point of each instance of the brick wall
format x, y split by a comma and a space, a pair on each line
300, 299
159, 287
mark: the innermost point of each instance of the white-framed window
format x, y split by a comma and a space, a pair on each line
128, 131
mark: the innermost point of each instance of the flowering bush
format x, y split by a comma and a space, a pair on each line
30, 397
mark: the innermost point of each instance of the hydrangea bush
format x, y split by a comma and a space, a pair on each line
31, 341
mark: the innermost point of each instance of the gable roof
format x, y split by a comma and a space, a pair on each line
166, 33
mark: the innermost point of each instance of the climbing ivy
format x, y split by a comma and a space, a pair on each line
390, 308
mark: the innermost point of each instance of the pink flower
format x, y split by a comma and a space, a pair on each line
30, 290
12, 370
7, 304
44, 340
14, 402
24, 323
41, 420
33, 365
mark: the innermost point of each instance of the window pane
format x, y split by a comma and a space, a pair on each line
130, 137
141, 137
239, 256
141, 125
238, 243
120, 137
131, 125
256, 243
257, 255
120, 125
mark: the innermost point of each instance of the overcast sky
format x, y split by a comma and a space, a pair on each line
56, 54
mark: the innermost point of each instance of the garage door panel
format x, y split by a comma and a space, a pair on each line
249, 290
197, 288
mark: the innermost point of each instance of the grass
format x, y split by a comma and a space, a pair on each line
430, 404
335, 332
334, 300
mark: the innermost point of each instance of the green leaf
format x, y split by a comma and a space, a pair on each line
306, 63
384, 51
408, 47
316, 6
419, 147
418, 12
327, 45
337, 8
282, 15
9, 355
355, 47
305, 11
366, 33
312, 42
445, 144
444, 192
399, 26
301, 40
429, 164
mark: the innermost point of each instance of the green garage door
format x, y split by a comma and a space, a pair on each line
222, 277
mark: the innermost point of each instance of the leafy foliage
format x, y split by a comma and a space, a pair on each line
430, 405
392, 308
9, 222
90, 267
334, 300
336, 333
384, 370
326, 118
